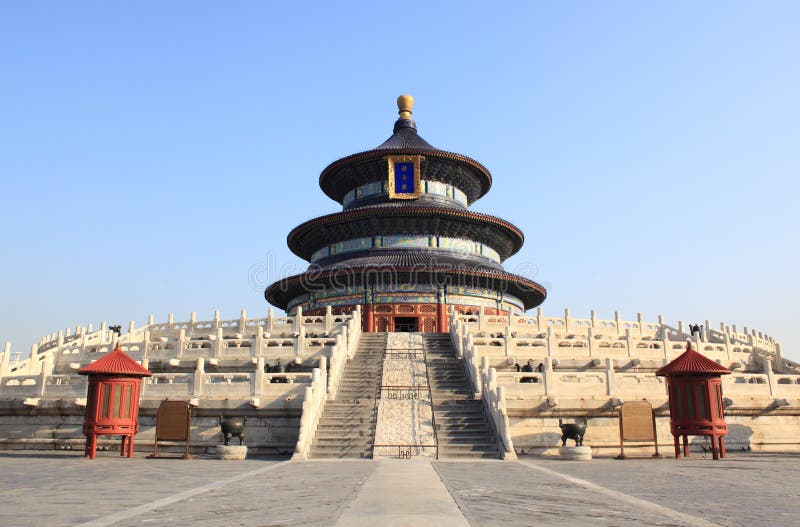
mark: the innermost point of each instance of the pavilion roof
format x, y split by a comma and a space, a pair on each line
691, 362
116, 363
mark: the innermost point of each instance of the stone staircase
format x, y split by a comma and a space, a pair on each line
347, 425
462, 427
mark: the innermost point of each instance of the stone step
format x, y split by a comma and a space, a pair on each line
345, 430
354, 411
446, 454
460, 418
340, 448
478, 439
462, 430
360, 454
340, 422
338, 417
458, 404
340, 442
467, 446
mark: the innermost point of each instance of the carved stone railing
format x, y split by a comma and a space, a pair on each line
51, 371
313, 406
601, 371
484, 385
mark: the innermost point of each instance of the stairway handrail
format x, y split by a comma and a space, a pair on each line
430, 391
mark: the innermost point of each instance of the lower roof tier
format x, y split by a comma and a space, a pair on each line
376, 277
409, 258
306, 239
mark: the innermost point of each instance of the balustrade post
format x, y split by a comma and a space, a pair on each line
220, 343
332, 369
270, 321
143, 387
344, 352
540, 322
328, 318
629, 342
681, 330
5, 359
611, 385
617, 322
726, 339
549, 378
348, 346
593, 316
567, 320
259, 376
150, 319
590, 336
32, 361
779, 356
47, 370
243, 321
145, 344
300, 343
481, 319
640, 320
217, 323
550, 343
298, 318
767, 363
507, 343
259, 347
199, 377
181, 343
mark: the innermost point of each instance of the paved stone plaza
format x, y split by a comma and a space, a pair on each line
44, 489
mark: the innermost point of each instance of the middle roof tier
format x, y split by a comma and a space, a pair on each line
305, 239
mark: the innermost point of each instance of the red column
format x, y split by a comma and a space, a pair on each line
441, 318
368, 325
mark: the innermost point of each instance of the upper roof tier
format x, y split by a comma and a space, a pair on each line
354, 171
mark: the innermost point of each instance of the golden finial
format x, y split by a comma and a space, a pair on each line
404, 105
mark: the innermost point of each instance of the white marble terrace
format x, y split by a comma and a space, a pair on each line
200, 360
589, 367
608, 358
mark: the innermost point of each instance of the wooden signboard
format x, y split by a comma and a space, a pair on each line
637, 423
172, 424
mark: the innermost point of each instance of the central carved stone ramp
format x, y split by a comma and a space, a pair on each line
462, 427
347, 425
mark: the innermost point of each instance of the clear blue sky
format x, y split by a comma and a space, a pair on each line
153, 153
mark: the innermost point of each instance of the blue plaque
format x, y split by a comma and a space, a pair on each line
404, 177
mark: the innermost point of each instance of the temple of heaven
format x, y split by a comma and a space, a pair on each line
405, 246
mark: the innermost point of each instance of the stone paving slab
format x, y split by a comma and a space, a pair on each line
401, 493
295, 493
64, 488
493, 493
744, 489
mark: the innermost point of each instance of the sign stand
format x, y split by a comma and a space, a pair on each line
172, 424
637, 423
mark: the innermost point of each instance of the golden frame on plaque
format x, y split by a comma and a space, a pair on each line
416, 161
